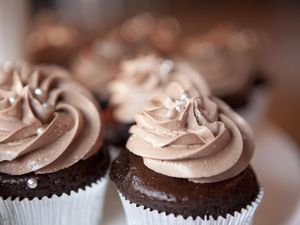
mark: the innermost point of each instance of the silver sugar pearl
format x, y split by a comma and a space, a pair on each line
39, 131
32, 183
46, 105
12, 99
184, 97
179, 108
38, 91
166, 66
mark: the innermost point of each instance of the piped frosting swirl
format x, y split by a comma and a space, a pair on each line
48, 121
145, 75
194, 137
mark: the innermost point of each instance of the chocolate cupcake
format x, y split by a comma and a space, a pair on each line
187, 162
138, 80
224, 56
148, 32
97, 64
53, 164
52, 40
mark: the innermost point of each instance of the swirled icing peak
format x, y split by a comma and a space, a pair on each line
194, 137
48, 122
145, 75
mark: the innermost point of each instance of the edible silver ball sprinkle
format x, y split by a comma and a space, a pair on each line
12, 100
184, 97
39, 131
32, 183
46, 105
166, 66
179, 108
38, 91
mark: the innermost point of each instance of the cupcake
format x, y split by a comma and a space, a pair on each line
137, 81
53, 164
52, 40
187, 162
97, 64
225, 57
148, 32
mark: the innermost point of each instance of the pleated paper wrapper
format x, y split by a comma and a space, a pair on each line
78, 208
140, 215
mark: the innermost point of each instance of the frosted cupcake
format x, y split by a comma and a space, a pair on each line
138, 80
52, 40
53, 165
224, 56
98, 63
187, 162
148, 32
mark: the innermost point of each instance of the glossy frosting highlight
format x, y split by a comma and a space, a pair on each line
196, 137
48, 121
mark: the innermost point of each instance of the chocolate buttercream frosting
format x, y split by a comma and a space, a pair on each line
48, 122
197, 137
143, 76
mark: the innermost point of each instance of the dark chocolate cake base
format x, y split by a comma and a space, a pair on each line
52, 55
80, 175
116, 133
142, 186
239, 99
103, 100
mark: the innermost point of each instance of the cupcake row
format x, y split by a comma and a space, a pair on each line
141, 106
227, 55
186, 158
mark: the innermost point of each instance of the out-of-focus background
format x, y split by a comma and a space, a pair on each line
276, 22
279, 19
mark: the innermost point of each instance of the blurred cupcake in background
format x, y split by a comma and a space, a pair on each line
225, 56
52, 40
186, 162
151, 32
53, 163
137, 81
98, 63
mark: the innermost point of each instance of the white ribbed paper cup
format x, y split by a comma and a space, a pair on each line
140, 215
114, 152
78, 208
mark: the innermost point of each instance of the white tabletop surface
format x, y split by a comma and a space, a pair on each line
277, 165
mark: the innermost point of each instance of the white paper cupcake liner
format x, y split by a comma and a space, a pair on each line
140, 215
78, 208
114, 152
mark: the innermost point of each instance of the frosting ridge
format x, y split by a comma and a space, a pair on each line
46, 126
141, 77
196, 137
